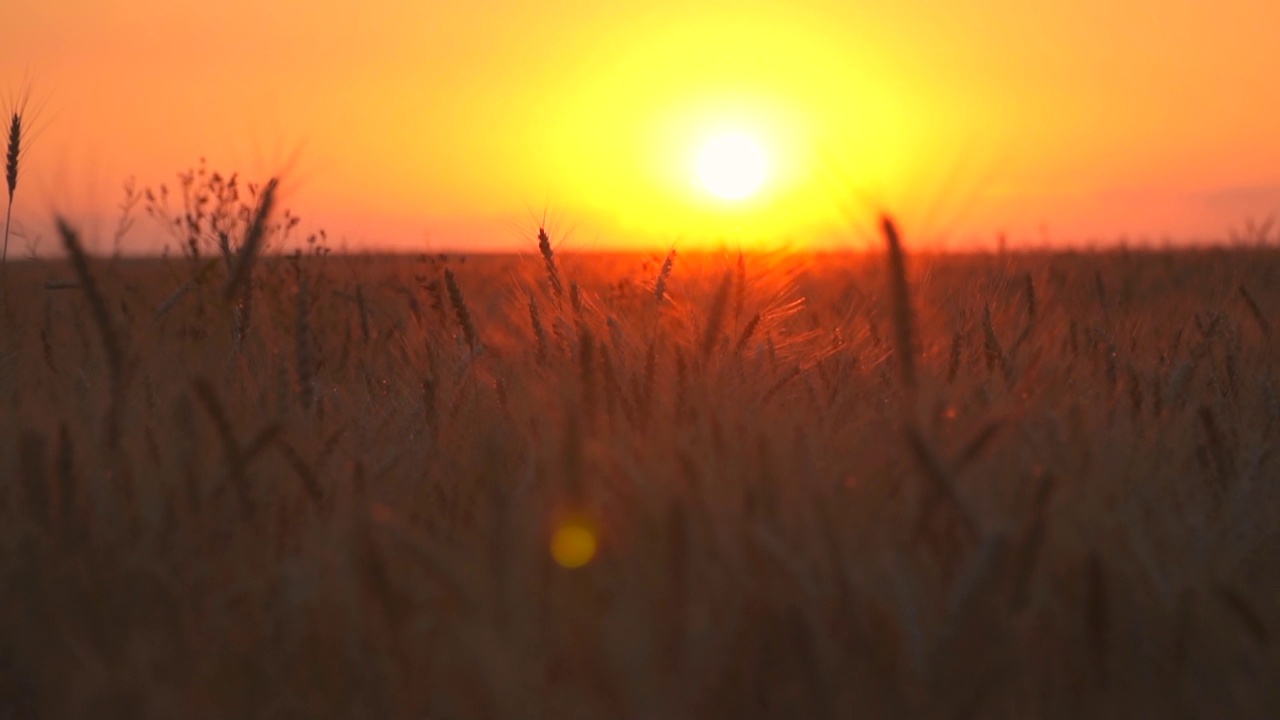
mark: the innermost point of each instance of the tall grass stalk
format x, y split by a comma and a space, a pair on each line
900, 297
13, 153
111, 344
460, 309
254, 238
660, 285
549, 259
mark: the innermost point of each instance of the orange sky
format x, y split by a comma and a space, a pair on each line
455, 124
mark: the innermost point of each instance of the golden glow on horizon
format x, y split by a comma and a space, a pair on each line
460, 121
731, 167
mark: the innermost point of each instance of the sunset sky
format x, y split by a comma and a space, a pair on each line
436, 125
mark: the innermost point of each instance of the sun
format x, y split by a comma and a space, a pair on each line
732, 167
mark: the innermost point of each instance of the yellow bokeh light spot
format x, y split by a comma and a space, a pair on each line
573, 545
732, 167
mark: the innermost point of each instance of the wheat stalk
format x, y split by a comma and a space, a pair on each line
539, 332
363, 307
740, 287
900, 294
549, 259
1030, 546
940, 487
253, 241
586, 367
660, 285
575, 299
612, 386
1031, 316
236, 455
976, 446
101, 316
748, 331
715, 317
303, 359
13, 154
460, 309
648, 374
1223, 461
953, 361
1255, 311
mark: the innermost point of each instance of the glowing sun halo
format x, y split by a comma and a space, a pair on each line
731, 167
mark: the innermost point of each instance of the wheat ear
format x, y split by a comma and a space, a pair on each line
460, 309
253, 240
660, 285
549, 259
11, 174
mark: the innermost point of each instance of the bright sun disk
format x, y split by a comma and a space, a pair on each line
731, 167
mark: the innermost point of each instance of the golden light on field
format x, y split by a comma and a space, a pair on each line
731, 167
573, 544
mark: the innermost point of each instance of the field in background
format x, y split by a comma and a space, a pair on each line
335, 493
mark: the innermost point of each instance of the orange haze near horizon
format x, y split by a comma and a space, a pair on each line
434, 126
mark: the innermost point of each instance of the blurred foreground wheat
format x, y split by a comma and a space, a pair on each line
569, 486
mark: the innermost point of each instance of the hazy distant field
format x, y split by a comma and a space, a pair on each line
339, 497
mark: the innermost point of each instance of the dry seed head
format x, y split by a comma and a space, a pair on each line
460, 308
17, 136
253, 240
11, 176
549, 259
13, 153
575, 299
660, 286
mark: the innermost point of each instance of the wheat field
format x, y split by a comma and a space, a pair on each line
871, 485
